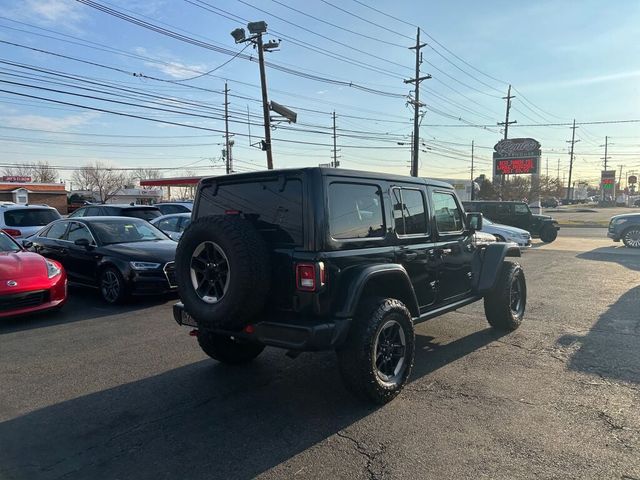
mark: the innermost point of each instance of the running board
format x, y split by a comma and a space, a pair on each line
445, 308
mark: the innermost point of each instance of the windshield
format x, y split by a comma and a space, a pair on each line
126, 231
7, 244
143, 213
30, 217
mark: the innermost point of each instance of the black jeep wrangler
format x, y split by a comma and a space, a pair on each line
517, 214
331, 259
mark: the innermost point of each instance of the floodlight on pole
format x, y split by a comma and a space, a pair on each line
257, 28
239, 35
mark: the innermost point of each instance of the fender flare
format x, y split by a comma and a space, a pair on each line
487, 264
357, 279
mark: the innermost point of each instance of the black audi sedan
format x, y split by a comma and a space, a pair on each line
118, 255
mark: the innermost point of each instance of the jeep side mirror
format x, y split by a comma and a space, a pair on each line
474, 220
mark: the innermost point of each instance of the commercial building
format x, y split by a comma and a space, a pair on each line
26, 192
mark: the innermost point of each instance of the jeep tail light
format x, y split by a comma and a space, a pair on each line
310, 276
13, 232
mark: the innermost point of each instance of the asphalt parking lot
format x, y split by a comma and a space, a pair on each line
105, 392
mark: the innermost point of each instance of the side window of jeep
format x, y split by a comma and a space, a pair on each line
447, 213
355, 211
409, 212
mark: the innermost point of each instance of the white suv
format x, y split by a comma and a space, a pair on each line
22, 221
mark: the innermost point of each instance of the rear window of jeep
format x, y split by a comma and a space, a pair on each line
274, 207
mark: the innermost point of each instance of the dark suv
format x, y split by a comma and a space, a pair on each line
145, 212
332, 259
517, 214
625, 227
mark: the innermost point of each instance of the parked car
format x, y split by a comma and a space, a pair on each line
119, 256
331, 259
636, 203
28, 282
21, 221
625, 227
168, 208
506, 233
145, 212
173, 225
550, 202
517, 214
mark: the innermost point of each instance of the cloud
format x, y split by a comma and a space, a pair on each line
60, 13
58, 124
172, 67
581, 81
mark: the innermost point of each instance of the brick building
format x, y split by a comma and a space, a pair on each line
52, 194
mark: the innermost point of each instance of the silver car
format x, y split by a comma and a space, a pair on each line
22, 221
506, 233
173, 224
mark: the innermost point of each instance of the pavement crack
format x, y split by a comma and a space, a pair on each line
371, 457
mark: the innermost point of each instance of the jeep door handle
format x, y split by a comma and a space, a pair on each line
408, 256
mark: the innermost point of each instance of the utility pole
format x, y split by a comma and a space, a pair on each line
335, 163
558, 174
257, 29
547, 167
265, 103
227, 154
416, 104
573, 142
606, 146
619, 180
506, 122
472, 145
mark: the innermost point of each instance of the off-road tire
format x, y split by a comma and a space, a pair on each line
499, 303
356, 356
106, 276
548, 233
247, 261
630, 236
227, 350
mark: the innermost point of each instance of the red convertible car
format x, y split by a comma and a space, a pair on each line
28, 281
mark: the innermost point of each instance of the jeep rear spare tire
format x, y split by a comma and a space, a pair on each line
222, 270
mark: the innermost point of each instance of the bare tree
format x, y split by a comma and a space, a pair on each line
145, 174
17, 171
42, 172
101, 179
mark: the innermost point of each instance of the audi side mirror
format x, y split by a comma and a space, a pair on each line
474, 221
83, 242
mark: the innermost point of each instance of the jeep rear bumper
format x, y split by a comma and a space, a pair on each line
302, 334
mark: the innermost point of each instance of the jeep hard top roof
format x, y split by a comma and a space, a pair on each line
326, 171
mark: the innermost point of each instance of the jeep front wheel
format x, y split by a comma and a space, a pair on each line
226, 349
504, 306
376, 359
549, 233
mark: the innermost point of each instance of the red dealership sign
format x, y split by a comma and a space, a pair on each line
16, 178
515, 156
516, 166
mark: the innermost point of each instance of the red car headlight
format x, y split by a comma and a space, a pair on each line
53, 269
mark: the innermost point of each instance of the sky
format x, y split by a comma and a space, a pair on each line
92, 72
